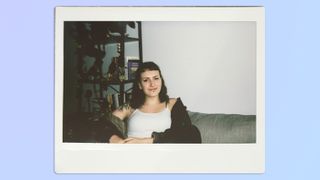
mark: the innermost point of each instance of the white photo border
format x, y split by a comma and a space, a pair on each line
160, 158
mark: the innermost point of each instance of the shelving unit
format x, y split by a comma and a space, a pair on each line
93, 42
89, 49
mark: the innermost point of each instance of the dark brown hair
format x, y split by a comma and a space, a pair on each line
138, 96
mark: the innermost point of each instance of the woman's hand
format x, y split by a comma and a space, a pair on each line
116, 140
132, 140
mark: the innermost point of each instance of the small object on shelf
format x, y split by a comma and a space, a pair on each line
118, 48
116, 73
109, 76
109, 102
132, 68
115, 100
122, 76
114, 70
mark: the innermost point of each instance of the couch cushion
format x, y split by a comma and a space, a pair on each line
225, 128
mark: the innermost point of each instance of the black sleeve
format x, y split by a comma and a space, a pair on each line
181, 130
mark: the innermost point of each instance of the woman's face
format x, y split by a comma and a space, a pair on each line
150, 83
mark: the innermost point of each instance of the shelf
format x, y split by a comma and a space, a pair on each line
117, 39
118, 83
105, 82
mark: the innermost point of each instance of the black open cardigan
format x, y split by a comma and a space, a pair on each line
181, 130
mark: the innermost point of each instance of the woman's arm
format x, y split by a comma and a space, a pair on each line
117, 130
138, 141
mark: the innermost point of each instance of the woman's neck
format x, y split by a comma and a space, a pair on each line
152, 101
152, 105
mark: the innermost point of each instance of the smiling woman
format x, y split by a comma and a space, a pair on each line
152, 117
150, 83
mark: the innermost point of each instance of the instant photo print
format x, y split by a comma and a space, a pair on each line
211, 58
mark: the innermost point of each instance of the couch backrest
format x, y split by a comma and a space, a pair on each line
225, 128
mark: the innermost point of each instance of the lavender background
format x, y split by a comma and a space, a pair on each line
27, 89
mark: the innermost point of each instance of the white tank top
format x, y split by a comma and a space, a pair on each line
141, 124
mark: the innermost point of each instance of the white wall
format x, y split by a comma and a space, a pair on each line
210, 65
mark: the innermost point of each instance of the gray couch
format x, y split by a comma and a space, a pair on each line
214, 128
225, 128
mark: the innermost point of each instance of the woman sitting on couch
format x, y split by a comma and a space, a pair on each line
152, 117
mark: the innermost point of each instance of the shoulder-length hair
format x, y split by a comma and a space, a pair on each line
138, 96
